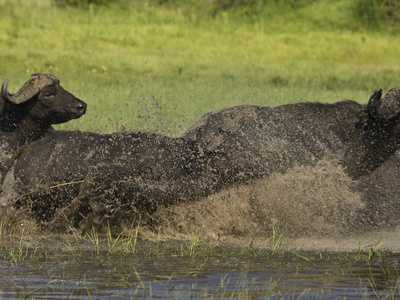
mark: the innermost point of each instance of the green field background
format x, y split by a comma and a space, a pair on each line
159, 66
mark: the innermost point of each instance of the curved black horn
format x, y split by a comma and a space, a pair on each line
4, 94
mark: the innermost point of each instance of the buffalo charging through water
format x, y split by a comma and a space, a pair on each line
79, 179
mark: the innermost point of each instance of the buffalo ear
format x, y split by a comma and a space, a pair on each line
371, 113
389, 106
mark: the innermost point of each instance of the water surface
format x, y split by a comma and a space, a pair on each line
281, 276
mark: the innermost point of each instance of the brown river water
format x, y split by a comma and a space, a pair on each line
284, 276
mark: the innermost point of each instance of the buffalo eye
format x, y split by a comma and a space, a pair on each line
47, 96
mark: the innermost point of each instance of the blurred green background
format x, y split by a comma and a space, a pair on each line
159, 65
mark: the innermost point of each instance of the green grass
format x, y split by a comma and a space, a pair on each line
160, 68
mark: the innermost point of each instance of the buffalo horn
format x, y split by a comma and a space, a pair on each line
4, 94
29, 89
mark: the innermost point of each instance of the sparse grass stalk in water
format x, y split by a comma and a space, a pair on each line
121, 244
4, 232
3, 227
87, 289
370, 251
248, 248
112, 242
74, 249
147, 289
94, 238
311, 262
200, 270
194, 245
156, 248
197, 246
22, 251
274, 238
135, 239
130, 242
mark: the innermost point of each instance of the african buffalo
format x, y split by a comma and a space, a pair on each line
253, 141
28, 114
75, 175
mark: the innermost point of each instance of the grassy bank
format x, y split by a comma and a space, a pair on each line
159, 68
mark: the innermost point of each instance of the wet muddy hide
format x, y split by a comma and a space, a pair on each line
80, 180
380, 191
253, 141
70, 175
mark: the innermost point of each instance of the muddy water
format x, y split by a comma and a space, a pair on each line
284, 276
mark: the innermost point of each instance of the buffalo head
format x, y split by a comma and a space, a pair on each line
41, 99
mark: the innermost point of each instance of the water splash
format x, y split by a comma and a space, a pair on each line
306, 200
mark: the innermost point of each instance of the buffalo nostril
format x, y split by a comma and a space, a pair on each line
81, 107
